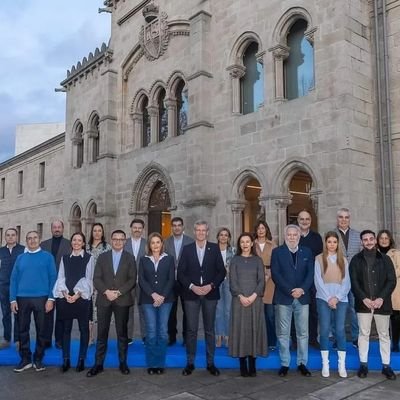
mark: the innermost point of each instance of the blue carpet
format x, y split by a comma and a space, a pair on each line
176, 357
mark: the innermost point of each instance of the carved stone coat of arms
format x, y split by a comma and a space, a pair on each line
154, 37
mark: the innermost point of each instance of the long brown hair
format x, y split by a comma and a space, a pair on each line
340, 257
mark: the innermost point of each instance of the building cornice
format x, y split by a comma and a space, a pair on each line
48, 144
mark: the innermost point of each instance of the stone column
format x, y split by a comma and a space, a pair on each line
75, 143
236, 72
237, 207
136, 137
171, 106
281, 208
154, 122
280, 53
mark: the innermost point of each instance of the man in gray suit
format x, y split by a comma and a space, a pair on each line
349, 240
136, 245
58, 246
114, 278
173, 246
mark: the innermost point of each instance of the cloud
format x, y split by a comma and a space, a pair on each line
41, 39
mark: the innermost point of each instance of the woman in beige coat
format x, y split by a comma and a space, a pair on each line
264, 246
386, 245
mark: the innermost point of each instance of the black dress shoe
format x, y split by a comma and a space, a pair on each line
124, 368
171, 341
58, 345
315, 344
159, 371
97, 369
303, 370
362, 371
80, 366
388, 372
283, 371
188, 370
151, 371
66, 365
213, 370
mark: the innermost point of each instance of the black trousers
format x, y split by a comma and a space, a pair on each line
208, 309
58, 328
26, 307
6, 312
83, 323
173, 320
121, 316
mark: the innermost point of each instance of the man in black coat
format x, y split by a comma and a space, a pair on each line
373, 280
200, 272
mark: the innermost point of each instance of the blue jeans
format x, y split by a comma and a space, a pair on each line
223, 310
283, 320
156, 320
352, 317
269, 313
325, 317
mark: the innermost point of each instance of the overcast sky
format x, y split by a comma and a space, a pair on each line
40, 40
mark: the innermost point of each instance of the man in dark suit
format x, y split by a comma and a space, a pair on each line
58, 246
174, 246
114, 278
292, 270
136, 245
200, 272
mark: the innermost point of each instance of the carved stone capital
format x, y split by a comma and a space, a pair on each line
237, 206
137, 116
170, 103
152, 110
280, 52
310, 35
284, 201
76, 140
92, 133
260, 57
236, 71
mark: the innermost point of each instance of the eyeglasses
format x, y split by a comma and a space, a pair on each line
32, 238
118, 240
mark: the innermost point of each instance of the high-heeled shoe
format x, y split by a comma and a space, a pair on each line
66, 365
80, 366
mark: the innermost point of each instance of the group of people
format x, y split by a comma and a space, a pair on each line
248, 295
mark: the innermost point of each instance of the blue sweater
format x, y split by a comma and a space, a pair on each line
34, 275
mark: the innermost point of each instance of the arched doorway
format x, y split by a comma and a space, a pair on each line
300, 187
75, 220
90, 217
159, 210
252, 209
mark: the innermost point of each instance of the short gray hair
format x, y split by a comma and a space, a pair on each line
200, 222
343, 209
292, 226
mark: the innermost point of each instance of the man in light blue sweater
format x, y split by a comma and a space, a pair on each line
32, 282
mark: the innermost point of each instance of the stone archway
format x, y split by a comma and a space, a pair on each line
153, 198
75, 219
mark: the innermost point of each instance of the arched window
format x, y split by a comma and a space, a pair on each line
162, 116
95, 138
182, 108
299, 65
77, 141
146, 130
252, 88
75, 219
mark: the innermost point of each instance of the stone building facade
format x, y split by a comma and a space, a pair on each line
201, 109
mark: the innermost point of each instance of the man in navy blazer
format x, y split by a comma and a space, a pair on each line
200, 272
292, 270
174, 246
136, 245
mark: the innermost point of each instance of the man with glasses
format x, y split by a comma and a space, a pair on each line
31, 291
8, 255
349, 240
114, 278
174, 246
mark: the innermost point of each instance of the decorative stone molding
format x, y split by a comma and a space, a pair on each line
314, 197
236, 72
310, 35
280, 52
204, 202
